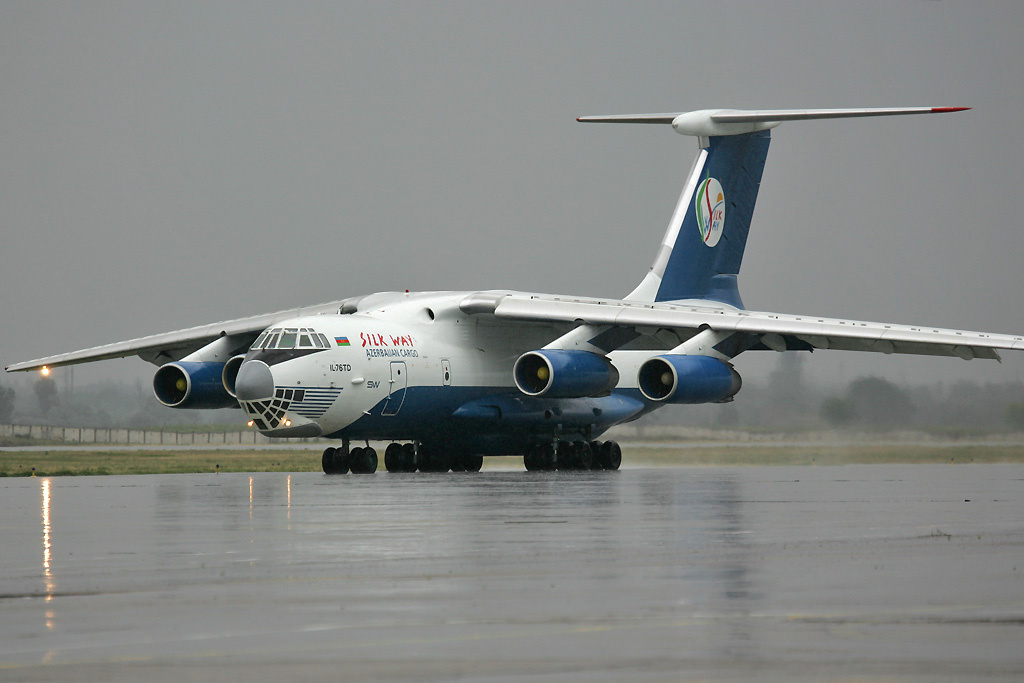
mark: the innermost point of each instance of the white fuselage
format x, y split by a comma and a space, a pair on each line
401, 367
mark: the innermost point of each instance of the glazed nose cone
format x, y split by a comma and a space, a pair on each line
254, 381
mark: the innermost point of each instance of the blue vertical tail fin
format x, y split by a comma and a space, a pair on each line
702, 250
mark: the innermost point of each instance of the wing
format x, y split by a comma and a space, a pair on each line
170, 346
775, 331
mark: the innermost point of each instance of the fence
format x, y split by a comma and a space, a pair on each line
103, 435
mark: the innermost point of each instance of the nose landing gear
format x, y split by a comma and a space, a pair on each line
342, 460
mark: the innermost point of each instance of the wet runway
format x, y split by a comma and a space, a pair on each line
735, 574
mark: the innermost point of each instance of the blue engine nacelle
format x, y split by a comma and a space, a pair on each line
186, 384
688, 379
564, 374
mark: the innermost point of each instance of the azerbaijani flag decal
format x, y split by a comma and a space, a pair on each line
342, 341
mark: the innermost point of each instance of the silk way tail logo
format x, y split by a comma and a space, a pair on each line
710, 206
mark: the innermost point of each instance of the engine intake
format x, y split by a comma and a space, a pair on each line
676, 378
230, 374
186, 384
564, 374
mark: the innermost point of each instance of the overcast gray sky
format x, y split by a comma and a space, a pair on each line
164, 165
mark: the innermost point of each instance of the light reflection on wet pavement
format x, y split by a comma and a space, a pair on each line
806, 573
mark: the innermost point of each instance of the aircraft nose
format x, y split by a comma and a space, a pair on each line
254, 381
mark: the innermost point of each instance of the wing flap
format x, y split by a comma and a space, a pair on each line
819, 332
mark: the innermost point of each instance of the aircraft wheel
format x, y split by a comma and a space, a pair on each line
611, 455
355, 460
408, 457
530, 461
566, 458
393, 458
365, 461
328, 460
583, 456
595, 450
540, 458
426, 458
442, 460
472, 463
434, 458
456, 462
342, 460
546, 456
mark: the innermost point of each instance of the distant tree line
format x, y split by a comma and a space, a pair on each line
101, 405
786, 402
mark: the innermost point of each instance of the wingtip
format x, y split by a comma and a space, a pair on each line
947, 110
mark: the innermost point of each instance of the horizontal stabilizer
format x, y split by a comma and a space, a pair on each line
713, 122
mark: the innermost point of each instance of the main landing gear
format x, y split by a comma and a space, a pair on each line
343, 461
573, 455
437, 457
400, 458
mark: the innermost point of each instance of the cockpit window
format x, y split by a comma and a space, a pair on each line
259, 340
291, 338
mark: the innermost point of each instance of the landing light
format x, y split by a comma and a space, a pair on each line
45, 371
287, 423
250, 423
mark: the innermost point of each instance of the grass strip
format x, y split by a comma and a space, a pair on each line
61, 463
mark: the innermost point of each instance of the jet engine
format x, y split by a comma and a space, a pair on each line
675, 378
230, 373
187, 384
564, 374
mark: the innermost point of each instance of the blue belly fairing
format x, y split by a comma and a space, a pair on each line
493, 420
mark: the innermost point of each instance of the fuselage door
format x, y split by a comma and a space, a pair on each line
397, 386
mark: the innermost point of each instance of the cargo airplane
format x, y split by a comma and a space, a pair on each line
451, 377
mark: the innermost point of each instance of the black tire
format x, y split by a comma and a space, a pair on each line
530, 460
355, 460
408, 457
611, 455
393, 458
595, 449
342, 461
547, 457
435, 458
328, 460
566, 458
583, 456
427, 459
369, 461
442, 460
455, 459
472, 463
